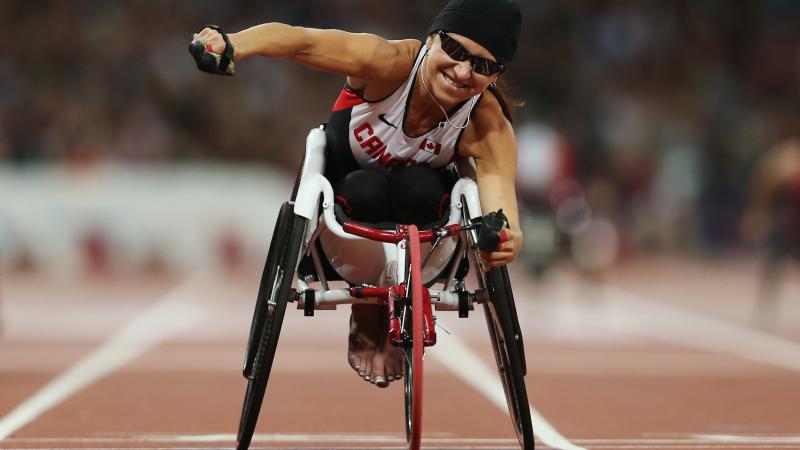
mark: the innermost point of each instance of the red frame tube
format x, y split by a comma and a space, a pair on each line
395, 333
390, 236
374, 234
369, 292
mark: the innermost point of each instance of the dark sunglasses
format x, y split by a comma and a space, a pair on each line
457, 52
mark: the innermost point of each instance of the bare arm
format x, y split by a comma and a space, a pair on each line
490, 142
357, 55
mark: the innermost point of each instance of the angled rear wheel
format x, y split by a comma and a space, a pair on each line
273, 295
506, 337
504, 331
280, 234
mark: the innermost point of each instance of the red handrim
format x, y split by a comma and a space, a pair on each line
417, 326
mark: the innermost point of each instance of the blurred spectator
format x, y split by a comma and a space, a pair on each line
773, 221
544, 161
666, 104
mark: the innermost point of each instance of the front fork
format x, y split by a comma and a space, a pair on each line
397, 301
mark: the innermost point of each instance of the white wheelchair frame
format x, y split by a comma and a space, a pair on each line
464, 204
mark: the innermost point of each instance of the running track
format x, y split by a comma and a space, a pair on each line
660, 353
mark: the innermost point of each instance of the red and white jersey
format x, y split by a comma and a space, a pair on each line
369, 134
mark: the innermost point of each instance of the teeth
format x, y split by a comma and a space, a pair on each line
451, 81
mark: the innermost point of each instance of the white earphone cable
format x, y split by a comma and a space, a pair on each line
446, 117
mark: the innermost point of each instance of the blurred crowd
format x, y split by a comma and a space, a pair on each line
648, 115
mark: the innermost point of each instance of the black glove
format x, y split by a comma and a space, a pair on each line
492, 231
212, 62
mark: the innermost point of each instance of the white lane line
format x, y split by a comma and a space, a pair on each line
740, 439
610, 446
465, 364
721, 441
175, 313
650, 318
272, 437
618, 445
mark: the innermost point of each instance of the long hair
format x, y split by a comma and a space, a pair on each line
508, 104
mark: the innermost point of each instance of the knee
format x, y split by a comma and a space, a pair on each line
362, 194
417, 181
418, 195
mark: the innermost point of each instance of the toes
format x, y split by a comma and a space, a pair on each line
391, 372
394, 366
379, 374
357, 364
380, 381
354, 353
390, 376
367, 375
355, 361
398, 373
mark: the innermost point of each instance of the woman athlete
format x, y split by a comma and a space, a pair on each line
407, 110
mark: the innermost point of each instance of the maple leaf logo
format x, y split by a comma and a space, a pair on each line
430, 146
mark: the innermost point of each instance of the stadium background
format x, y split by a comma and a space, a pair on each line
662, 111
651, 140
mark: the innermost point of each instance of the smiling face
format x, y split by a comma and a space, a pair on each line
451, 81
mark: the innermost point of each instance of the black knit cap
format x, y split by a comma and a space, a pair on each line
494, 24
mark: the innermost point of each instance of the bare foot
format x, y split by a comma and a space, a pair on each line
390, 358
370, 351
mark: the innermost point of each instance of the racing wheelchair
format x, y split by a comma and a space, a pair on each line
314, 243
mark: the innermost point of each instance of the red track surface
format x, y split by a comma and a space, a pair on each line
663, 355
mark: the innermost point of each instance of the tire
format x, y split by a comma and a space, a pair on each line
408, 385
270, 308
280, 233
502, 279
412, 355
508, 351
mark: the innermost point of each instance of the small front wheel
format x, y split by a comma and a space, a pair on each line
412, 356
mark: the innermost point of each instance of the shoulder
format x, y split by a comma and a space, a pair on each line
383, 53
489, 129
406, 48
404, 55
488, 115
390, 62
